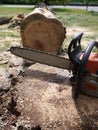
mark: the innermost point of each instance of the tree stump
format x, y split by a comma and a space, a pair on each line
41, 30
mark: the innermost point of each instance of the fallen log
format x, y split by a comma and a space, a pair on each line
41, 30
4, 20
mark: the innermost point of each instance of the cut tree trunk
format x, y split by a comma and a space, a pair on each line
41, 30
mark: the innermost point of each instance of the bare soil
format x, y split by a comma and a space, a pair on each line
39, 97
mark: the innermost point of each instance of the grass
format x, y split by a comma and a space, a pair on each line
70, 17
14, 11
3, 65
9, 34
4, 31
76, 17
5, 46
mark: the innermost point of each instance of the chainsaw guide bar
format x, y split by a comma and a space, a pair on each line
42, 57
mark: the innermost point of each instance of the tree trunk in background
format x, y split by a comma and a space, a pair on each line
41, 30
87, 4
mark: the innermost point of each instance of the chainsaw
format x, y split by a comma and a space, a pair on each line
82, 63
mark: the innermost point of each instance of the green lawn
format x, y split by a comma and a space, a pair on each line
70, 17
76, 17
14, 11
79, 21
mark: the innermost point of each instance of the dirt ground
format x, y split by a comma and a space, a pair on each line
39, 97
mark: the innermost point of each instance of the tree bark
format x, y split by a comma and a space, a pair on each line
41, 30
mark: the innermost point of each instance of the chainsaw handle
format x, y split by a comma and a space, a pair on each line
74, 48
87, 52
82, 66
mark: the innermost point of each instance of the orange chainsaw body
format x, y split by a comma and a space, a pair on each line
85, 71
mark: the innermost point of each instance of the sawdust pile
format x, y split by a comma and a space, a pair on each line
40, 98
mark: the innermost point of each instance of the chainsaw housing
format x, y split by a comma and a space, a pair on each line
85, 70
